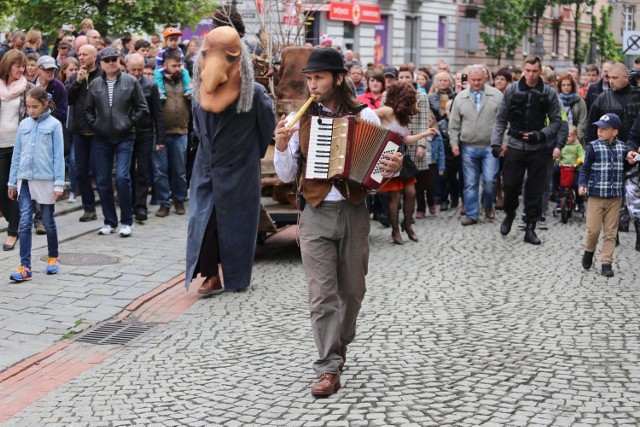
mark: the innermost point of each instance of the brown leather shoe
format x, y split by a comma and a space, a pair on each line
211, 286
490, 213
343, 354
162, 212
179, 208
327, 385
468, 221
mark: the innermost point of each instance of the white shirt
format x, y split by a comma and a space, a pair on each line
286, 162
10, 120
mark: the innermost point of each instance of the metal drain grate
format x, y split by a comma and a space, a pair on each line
79, 258
115, 333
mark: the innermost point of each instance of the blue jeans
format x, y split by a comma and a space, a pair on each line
73, 170
26, 223
83, 152
172, 159
104, 154
477, 163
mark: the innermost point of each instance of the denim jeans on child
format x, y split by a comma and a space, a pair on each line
26, 223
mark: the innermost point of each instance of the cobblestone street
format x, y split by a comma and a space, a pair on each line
463, 328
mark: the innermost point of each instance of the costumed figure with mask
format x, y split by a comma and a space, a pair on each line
235, 120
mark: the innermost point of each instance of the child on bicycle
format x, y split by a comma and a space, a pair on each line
601, 177
572, 154
37, 174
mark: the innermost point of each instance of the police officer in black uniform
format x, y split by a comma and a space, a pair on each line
531, 109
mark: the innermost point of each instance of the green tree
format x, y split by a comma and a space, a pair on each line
506, 24
577, 6
602, 44
109, 16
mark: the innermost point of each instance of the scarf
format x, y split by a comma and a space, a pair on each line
569, 99
7, 93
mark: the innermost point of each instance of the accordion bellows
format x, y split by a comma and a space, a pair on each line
349, 149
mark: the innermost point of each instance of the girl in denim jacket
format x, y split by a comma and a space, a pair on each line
37, 174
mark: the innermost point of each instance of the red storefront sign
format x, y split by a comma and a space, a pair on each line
355, 12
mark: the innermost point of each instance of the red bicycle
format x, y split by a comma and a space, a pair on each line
568, 196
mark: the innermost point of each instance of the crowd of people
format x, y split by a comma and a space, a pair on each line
93, 112
497, 139
475, 140
123, 105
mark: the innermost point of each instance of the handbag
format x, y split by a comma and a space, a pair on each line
409, 169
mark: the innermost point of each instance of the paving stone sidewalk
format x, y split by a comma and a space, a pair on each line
463, 328
35, 315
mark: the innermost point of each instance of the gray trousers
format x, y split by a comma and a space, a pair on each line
334, 242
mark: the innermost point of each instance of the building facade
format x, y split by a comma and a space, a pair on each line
426, 31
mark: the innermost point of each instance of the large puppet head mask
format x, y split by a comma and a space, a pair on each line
221, 75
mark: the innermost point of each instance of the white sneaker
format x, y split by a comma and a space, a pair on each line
72, 198
107, 229
125, 230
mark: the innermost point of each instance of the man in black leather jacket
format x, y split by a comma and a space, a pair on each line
150, 125
82, 134
114, 106
532, 111
622, 99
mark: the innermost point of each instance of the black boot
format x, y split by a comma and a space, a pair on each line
530, 234
507, 222
606, 270
587, 260
636, 224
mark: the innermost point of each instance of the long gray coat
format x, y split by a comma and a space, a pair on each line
226, 174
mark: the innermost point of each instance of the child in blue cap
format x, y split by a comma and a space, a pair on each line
601, 178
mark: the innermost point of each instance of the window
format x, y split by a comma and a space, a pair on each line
628, 15
566, 46
349, 35
555, 42
442, 32
411, 39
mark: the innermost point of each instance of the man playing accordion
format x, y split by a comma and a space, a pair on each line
334, 224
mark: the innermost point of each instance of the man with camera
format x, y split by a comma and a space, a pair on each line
531, 110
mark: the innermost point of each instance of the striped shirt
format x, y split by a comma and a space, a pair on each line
110, 86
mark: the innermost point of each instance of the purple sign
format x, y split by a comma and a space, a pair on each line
201, 30
380, 44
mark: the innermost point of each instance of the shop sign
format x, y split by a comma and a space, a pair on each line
354, 12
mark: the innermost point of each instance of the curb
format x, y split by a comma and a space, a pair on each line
137, 303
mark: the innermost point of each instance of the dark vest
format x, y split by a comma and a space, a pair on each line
315, 190
529, 106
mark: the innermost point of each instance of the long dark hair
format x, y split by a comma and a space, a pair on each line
344, 97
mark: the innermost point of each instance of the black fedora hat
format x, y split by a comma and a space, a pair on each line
324, 59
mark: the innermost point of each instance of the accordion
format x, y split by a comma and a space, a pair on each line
349, 149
